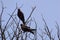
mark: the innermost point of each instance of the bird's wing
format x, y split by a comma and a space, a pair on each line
21, 16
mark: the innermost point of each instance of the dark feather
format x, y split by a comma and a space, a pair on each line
27, 29
21, 16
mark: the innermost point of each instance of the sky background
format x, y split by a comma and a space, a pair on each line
50, 9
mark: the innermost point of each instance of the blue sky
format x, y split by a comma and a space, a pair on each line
49, 8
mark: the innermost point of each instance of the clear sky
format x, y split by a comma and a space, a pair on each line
49, 8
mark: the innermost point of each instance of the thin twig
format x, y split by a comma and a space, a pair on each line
30, 14
58, 32
9, 19
47, 30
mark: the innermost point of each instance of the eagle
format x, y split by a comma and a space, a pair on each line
21, 16
27, 29
23, 26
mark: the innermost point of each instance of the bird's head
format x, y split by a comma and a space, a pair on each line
22, 25
18, 9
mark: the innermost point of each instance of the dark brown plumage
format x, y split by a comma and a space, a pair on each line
27, 29
21, 16
23, 26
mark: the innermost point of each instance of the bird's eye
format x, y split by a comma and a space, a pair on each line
21, 24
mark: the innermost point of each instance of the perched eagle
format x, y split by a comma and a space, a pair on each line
21, 16
23, 26
27, 29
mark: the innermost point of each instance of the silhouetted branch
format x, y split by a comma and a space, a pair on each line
1, 30
9, 19
30, 14
35, 35
41, 36
58, 30
47, 30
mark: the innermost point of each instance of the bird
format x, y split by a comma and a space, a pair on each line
27, 29
21, 16
23, 26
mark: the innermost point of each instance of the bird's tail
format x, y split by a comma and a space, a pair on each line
33, 31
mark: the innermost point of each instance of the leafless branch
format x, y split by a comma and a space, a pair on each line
9, 19
47, 30
58, 32
30, 14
